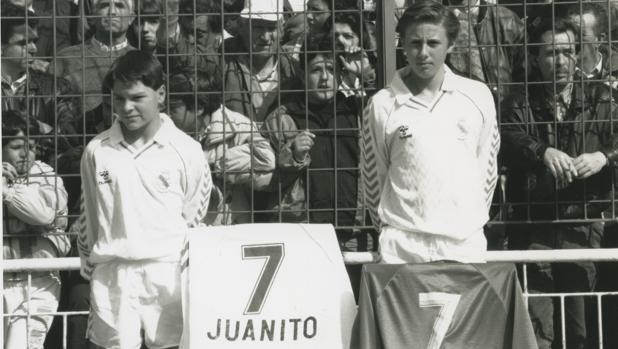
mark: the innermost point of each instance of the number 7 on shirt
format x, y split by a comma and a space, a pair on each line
448, 304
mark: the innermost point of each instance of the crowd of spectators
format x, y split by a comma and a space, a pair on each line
274, 91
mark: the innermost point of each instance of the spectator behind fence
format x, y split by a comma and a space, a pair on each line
241, 160
256, 73
55, 30
316, 140
489, 46
430, 147
594, 61
143, 30
559, 146
85, 65
357, 53
231, 18
198, 38
318, 13
34, 220
145, 183
25, 85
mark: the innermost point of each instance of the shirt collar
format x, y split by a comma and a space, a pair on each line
163, 136
16, 84
113, 48
599, 67
403, 94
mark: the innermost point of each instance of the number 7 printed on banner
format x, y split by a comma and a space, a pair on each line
448, 304
273, 253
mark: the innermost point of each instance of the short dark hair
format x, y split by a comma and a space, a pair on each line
543, 24
150, 10
206, 82
14, 16
134, 66
210, 9
317, 44
14, 122
429, 11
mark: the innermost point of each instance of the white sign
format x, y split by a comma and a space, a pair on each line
267, 286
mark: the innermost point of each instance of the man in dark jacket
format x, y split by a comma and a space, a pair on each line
489, 47
559, 148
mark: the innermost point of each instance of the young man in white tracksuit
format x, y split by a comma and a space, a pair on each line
430, 141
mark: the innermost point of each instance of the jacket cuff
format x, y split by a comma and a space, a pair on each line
612, 156
541, 148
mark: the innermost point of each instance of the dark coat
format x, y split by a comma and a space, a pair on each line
528, 128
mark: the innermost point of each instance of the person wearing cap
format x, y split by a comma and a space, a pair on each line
256, 71
560, 147
430, 145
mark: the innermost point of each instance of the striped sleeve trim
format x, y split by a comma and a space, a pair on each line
370, 170
184, 257
204, 195
82, 236
492, 165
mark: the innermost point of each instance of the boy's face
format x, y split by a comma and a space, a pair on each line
21, 47
557, 58
184, 118
426, 46
135, 104
321, 81
19, 152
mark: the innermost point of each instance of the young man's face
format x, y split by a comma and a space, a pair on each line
147, 30
557, 60
317, 14
20, 49
426, 46
345, 36
113, 16
184, 118
20, 153
321, 79
263, 38
135, 104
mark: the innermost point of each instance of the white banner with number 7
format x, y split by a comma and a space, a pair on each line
266, 286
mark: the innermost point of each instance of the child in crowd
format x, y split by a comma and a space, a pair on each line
145, 183
241, 159
316, 139
34, 220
